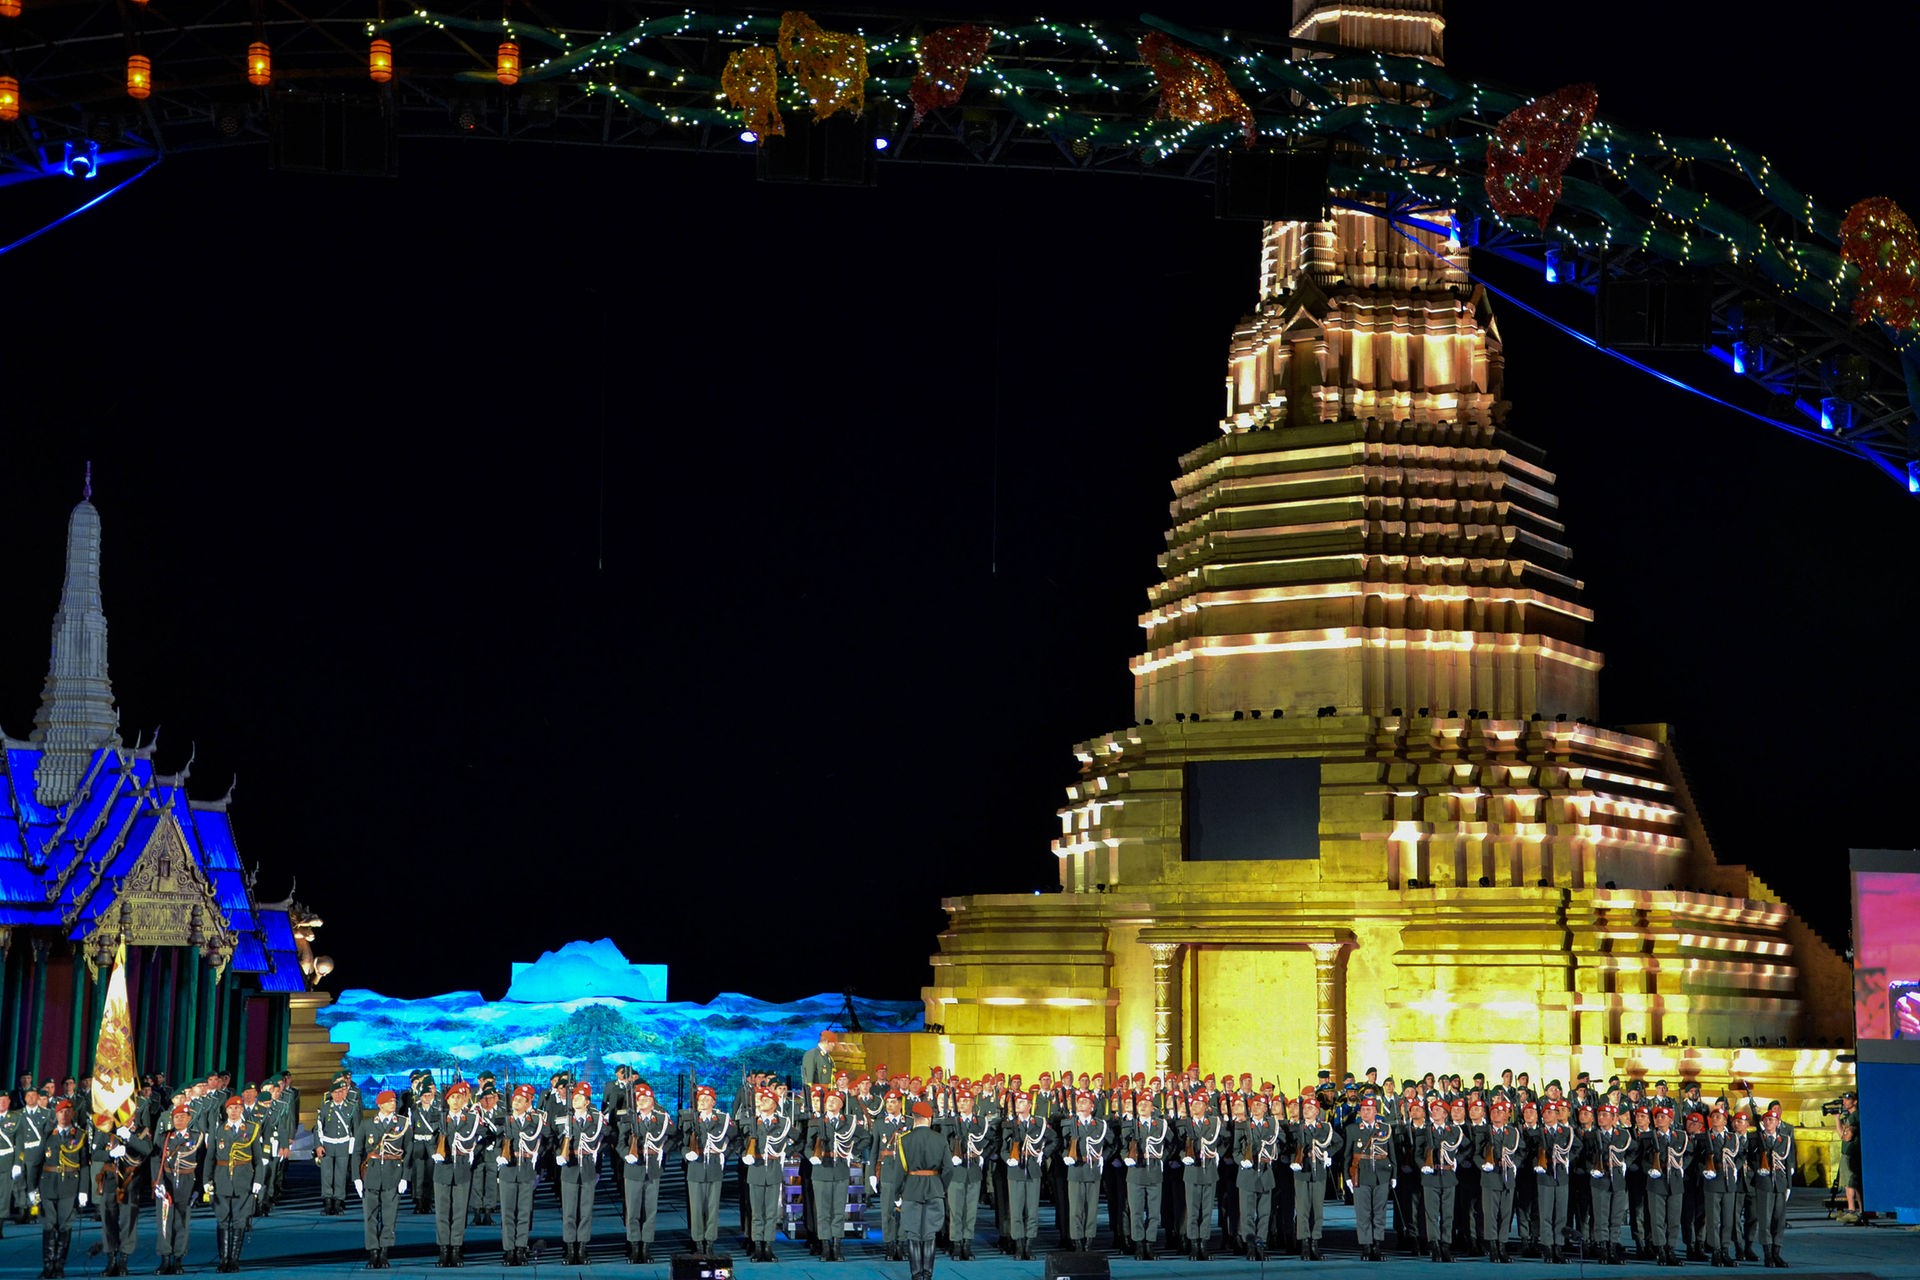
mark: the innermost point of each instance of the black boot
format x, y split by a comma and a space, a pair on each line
1026, 1251
458, 1261
47, 1239
446, 1256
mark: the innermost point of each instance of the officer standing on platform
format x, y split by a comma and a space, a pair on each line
333, 1147
385, 1144
1371, 1177
581, 1134
923, 1157
816, 1064
234, 1170
523, 1131
835, 1137
643, 1143
1027, 1143
709, 1132
1316, 1149
177, 1182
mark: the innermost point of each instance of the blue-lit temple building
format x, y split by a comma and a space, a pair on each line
98, 846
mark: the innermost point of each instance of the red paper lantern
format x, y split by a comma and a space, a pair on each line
139, 76
380, 61
506, 63
9, 99
259, 64
9, 8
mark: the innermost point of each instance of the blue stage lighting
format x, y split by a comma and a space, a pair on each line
1553, 264
749, 137
881, 144
1739, 357
83, 162
1913, 477
1835, 414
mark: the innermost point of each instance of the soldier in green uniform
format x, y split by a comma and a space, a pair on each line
1773, 1167
516, 1156
1027, 1143
581, 1135
1257, 1150
643, 1140
1371, 1177
486, 1172
1611, 1152
1090, 1141
769, 1137
1499, 1158
970, 1138
835, 1138
1664, 1155
119, 1172
1146, 1141
61, 1189
235, 1166
923, 1160
1722, 1168
709, 1132
385, 1143
13, 1172
1552, 1176
424, 1113
177, 1180
1316, 1149
457, 1139
333, 1148
884, 1174
1436, 1149
816, 1064
1203, 1138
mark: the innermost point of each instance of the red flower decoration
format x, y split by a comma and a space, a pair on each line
947, 57
1880, 240
1532, 148
1193, 87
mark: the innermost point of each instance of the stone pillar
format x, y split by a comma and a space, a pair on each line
1330, 1004
1166, 1012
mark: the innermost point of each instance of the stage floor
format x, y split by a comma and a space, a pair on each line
298, 1238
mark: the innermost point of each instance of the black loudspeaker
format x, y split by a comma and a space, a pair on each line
331, 133
837, 151
1676, 314
1687, 318
1074, 1266
701, 1266
1626, 313
1271, 186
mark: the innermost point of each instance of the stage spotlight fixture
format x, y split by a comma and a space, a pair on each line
1835, 414
1633, 1037
81, 162
1180, 716
1485, 883
1673, 1040
1560, 718
1255, 714
1537, 716
1557, 266
881, 143
1423, 712
1746, 1042
1452, 714
1279, 712
1239, 715
1913, 477
1396, 712
1612, 885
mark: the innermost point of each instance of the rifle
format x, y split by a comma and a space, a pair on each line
1300, 1148
440, 1144
751, 1142
1133, 1150
1353, 1165
819, 1148
566, 1147
1540, 1156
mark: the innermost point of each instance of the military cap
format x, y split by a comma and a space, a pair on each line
386, 1097
459, 1089
582, 1090
923, 1110
528, 1092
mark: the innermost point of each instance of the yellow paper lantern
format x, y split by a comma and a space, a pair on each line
9, 8
259, 64
506, 65
139, 76
9, 99
380, 61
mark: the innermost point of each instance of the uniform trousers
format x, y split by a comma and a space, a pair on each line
703, 1213
963, 1203
119, 1220
920, 1223
453, 1187
1144, 1199
232, 1197
1666, 1197
336, 1172
1227, 1192
516, 1206
1723, 1208
1023, 1204
1550, 1199
763, 1186
1609, 1208
1256, 1202
486, 1185
173, 1214
1083, 1209
380, 1201
1439, 1192
890, 1185
1309, 1204
830, 1199
576, 1200
1637, 1207
1496, 1206
1202, 1182
1526, 1208
1370, 1211
1770, 1210
641, 1192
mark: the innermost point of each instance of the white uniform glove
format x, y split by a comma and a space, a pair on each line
1294, 1165
33, 1197
630, 1158
1350, 1184
403, 1186
1011, 1163
692, 1154
116, 1150
873, 1182
82, 1200
209, 1187
1246, 1164
1186, 1159
1710, 1174
559, 1159
1130, 1162
1393, 1184
501, 1161
955, 1159
438, 1158
124, 1132
747, 1159
16, 1171
256, 1188
1486, 1168
1655, 1173
1426, 1168
359, 1188
814, 1159
1595, 1173
1069, 1160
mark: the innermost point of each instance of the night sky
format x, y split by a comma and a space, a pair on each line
561, 544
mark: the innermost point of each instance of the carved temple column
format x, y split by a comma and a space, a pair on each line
1166, 1013
1330, 1004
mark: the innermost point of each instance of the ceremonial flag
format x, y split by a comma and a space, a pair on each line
116, 1080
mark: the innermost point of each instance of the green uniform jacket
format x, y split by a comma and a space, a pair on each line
924, 1155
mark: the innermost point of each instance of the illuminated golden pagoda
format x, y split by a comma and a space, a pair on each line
1363, 818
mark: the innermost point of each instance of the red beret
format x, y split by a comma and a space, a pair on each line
924, 1110
66, 1105
966, 1095
893, 1095
459, 1089
764, 1094
1501, 1104
582, 1090
829, 1037
526, 1091
1085, 1095
641, 1089
1607, 1108
235, 1101
1193, 1066
704, 1091
385, 1096
181, 1111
